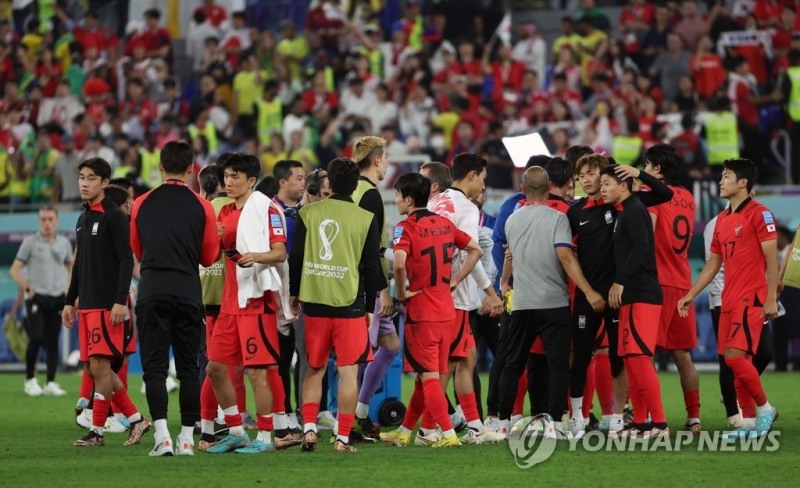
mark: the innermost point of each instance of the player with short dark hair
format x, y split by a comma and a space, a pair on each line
101, 278
745, 241
674, 222
637, 295
335, 273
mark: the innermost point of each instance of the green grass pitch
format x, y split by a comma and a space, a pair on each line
36, 436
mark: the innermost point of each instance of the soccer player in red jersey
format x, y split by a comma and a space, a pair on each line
637, 295
246, 331
424, 244
673, 222
101, 279
745, 242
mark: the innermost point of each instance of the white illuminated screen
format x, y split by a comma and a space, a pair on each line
521, 148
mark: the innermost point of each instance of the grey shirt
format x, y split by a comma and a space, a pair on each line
534, 232
46, 263
670, 69
67, 173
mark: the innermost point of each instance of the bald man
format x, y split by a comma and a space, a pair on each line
540, 241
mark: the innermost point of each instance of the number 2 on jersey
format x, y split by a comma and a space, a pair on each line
445, 259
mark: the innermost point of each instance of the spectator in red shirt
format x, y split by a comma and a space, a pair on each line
470, 66
48, 73
318, 101
634, 21
137, 109
743, 92
768, 13
215, 14
692, 26
92, 35
707, 70
156, 39
505, 72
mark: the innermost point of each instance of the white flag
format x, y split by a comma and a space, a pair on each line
503, 32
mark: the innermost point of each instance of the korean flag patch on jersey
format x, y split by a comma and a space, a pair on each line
398, 233
768, 217
276, 224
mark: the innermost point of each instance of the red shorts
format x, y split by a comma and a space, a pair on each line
676, 333
740, 328
349, 338
130, 338
461, 338
601, 342
638, 329
98, 336
251, 340
427, 347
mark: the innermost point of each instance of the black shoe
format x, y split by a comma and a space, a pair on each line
593, 425
627, 415
367, 428
220, 429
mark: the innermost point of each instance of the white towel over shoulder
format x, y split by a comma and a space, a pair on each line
252, 235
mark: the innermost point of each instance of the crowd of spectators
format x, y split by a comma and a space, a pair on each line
443, 79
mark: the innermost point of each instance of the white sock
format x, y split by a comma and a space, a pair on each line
264, 436
207, 427
280, 421
119, 416
577, 407
187, 432
135, 417
88, 413
606, 418
310, 427
343, 438
475, 425
425, 432
162, 431
403, 430
692, 421
449, 433
460, 411
505, 426
234, 410
221, 413
362, 410
765, 408
237, 431
98, 430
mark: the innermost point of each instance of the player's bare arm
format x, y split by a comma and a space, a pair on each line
706, 276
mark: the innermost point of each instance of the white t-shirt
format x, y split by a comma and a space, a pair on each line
454, 205
715, 288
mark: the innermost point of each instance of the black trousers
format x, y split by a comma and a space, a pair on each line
760, 361
486, 328
585, 324
165, 324
286, 344
493, 394
43, 326
786, 328
553, 325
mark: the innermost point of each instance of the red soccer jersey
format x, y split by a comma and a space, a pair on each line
673, 234
430, 241
229, 218
737, 238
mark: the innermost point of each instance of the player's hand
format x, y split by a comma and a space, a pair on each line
596, 301
294, 302
247, 260
683, 306
615, 295
117, 314
780, 288
505, 287
507, 254
387, 306
493, 304
370, 320
68, 316
626, 172
770, 310
405, 295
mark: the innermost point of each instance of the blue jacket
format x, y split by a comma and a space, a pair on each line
291, 217
499, 233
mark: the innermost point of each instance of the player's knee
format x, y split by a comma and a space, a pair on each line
216, 370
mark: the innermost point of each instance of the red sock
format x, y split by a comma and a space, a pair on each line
635, 392
264, 422
692, 401
417, 407
436, 403
522, 389
100, 412
345, 424
428, 422
747, 374
233, 420
236, 374
278, 395
123, 402
746, 402
123, 374
588, 391
310, 412
87, 386
650, 387
208, 401
470, 407
602, 381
